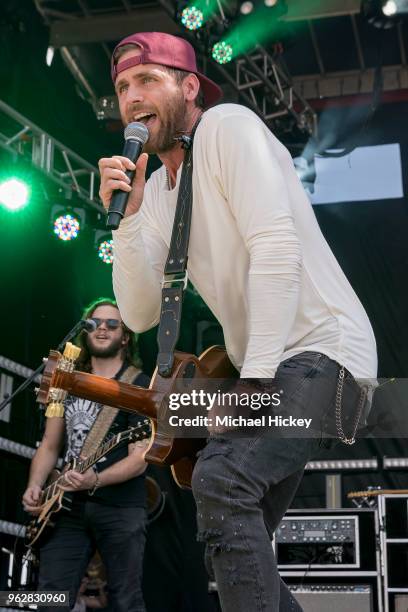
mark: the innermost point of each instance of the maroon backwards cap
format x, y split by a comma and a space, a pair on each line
167, 50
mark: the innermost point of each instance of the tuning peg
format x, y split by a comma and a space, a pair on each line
45, 359
36, 390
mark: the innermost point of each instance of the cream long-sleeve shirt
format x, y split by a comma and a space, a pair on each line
256, 256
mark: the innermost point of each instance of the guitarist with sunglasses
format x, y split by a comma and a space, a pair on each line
108, 509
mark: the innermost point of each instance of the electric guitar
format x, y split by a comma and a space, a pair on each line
165, 447
54, 499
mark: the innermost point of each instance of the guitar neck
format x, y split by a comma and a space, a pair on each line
84, 464
377, 492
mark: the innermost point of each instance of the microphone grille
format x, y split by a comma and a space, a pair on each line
138, 131
89, 325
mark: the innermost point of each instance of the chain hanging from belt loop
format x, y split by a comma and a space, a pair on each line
339, 395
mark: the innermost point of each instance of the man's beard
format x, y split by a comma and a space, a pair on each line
106, 352
172, 120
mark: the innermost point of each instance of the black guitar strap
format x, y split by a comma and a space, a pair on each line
174, 280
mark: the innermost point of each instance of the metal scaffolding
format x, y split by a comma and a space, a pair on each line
259, 80
21, 137
262, 83
272, 91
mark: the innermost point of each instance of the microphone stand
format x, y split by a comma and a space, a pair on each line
74, 331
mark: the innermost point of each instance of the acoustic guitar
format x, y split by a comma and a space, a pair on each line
164, 448
54, 499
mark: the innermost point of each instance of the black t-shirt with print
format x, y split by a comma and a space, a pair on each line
80, 415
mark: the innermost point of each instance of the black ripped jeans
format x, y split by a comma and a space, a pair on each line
243, 487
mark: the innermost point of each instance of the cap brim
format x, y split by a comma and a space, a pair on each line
211, 91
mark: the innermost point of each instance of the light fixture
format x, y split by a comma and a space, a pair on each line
192, 18
103, 245
66, 227
222, 52
381, 14
279, 7
389, 8
246, 7
49, 56
66, 221
14, 194
105, 251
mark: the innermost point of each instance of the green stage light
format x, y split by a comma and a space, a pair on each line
105, 251
192, 18
14, 194
261, 26
66, 227
222, 52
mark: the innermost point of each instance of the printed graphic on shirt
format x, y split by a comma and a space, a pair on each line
80, 415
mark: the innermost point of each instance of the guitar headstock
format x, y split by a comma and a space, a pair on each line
141, 431
49, 392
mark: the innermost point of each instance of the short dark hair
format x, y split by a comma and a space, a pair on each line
131, 349
179, 75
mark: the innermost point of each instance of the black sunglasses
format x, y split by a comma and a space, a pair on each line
110, 323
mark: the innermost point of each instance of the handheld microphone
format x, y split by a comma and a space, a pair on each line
87, 324
136, 136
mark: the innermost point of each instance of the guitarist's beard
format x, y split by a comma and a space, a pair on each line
114, 348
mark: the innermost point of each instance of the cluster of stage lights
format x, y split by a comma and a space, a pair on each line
105, 251
248, 6
222, 52
384, 14
192, 18
66, 227
15, 195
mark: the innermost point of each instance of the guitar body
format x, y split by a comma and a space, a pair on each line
180, 453
53, 499
40, 526
164, 448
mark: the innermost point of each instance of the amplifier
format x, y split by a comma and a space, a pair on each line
326, 541
336, 598
401, 603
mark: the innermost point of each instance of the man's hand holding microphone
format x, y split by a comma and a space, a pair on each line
123, 176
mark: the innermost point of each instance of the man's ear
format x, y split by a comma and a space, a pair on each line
191, 86
125, 339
